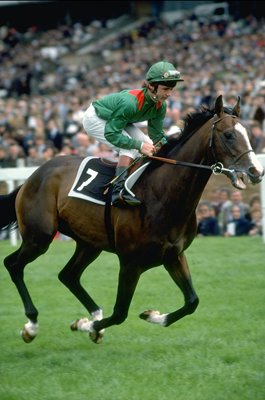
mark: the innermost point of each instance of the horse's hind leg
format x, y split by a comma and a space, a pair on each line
70, 277
15, 264
178, 269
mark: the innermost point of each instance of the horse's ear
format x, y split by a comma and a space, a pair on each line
236, 109
218, 108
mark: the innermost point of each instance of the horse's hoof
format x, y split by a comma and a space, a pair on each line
154, 317
74, 326
82, 324
96, 337
85, 325
147, 314
26, 336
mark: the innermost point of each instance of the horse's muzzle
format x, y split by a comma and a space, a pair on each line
255, 176
241, 178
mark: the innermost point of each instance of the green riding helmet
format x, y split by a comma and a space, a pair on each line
163, 72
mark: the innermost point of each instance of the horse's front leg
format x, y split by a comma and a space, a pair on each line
128, 278
178, 269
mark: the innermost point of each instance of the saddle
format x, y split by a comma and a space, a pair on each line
94, 177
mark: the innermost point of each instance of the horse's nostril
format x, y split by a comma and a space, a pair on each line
255, 173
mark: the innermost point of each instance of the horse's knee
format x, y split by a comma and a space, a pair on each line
192, 304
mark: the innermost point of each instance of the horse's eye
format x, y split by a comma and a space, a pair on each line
228, 135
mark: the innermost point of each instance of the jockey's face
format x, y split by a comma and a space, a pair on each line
162, 92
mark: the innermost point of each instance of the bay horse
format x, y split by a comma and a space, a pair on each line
156, 233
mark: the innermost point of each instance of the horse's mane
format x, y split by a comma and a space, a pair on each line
192, 123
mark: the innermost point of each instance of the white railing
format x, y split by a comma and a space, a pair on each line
13, 177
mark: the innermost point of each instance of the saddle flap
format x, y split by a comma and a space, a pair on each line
93, 177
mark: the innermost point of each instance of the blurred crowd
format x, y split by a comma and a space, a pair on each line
228, 214
43, 98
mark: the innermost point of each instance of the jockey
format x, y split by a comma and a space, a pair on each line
112, 119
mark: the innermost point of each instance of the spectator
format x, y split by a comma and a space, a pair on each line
238, 225
84, 144
15, 156
104, 151
53, 134
223, 203
254, 205
3, 157
256, 219
33, 158
226, 210
28, 140
207, 221
48, 153
66, 150
215, 200
40, 144
76, 111
257, 138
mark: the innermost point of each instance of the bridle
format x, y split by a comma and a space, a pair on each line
211, 141
217, 168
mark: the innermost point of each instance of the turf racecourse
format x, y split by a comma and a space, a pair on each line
215, 354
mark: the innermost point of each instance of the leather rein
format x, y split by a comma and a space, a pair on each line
217, 168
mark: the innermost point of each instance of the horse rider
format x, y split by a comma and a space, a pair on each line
111, 120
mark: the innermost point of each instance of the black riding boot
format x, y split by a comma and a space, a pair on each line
120, 196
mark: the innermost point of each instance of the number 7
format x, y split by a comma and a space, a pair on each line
92, 174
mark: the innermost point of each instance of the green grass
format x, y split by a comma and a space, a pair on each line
215, 354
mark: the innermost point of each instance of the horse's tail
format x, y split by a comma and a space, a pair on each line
7, 208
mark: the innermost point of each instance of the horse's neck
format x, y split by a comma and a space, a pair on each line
181, 183
197, 148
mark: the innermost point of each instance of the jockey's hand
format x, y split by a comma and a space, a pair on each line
148, 149
161, 143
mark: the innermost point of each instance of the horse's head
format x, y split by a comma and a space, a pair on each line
231, 146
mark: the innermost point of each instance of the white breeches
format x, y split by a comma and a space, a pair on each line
95, 127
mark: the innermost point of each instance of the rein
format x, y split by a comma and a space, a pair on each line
217, 168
